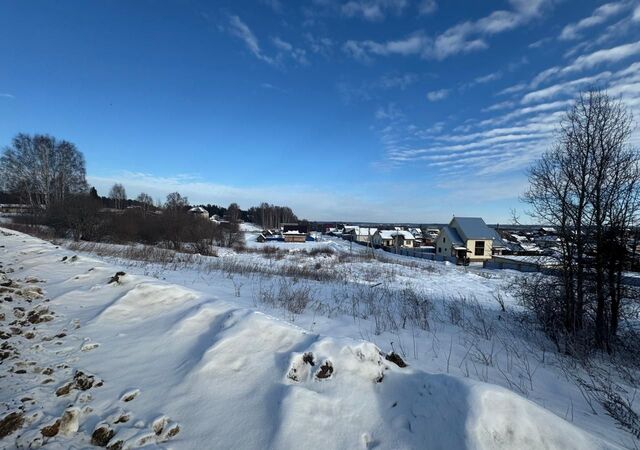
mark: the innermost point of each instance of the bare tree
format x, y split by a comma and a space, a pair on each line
587, 185
118, 195
146, 202
175, 201
271, 216
42, 169
233, 213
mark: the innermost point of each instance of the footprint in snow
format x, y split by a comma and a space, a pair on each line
130, 395
164, 428
90, 346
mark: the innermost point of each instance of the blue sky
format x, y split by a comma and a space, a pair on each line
381, 110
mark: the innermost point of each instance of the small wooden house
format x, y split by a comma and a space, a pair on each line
294, 236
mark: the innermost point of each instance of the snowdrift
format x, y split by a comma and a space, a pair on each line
168, 366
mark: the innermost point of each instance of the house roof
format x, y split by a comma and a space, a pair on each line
390, 234
452, 234
198, 209
473, 228
365, 231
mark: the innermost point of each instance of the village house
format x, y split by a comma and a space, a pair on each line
295, 232
294, 236
302, 228
199, 211
518, 244
417, 234
393, 238
269, 236
468, 239
347, 231
362, 235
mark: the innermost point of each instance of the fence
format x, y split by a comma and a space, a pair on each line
422, 254
513, 265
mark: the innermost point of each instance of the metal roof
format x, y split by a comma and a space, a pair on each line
390, 234
452, 234
473, 228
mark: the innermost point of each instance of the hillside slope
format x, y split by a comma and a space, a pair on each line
91, 356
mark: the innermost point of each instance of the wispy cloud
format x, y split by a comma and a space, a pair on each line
389, 112
374, 89
461, 38
488, 78
499, 106
319, 45
517, 131
5, 95
440, 94
283, 50
242, 31
600, 15
373, 10
589, 61
272, 87
414, 44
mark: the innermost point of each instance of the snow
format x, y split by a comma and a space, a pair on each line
198, 366
390, 234
534, 259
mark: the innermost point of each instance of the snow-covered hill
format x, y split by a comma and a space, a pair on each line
96, 357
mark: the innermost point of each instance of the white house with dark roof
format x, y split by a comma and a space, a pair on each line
468, 238
361, 234
393, 238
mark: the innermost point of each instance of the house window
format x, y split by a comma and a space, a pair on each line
444, 240
439, 249
479, 248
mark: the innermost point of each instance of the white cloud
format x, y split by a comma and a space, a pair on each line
513, 89
390, 112
588, 61
599, 16
440, 94
414, 44
498, 106
320, 45
566, 88
373, 10
369, 90
391, 81
488, 78
481, 80
609, 55
461, 38
5, 95
285, 48
242, 31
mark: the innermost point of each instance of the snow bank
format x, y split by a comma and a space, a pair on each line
169, 366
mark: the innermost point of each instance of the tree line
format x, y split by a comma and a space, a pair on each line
49, 175
271, 216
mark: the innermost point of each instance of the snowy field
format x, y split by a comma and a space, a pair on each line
286, 348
